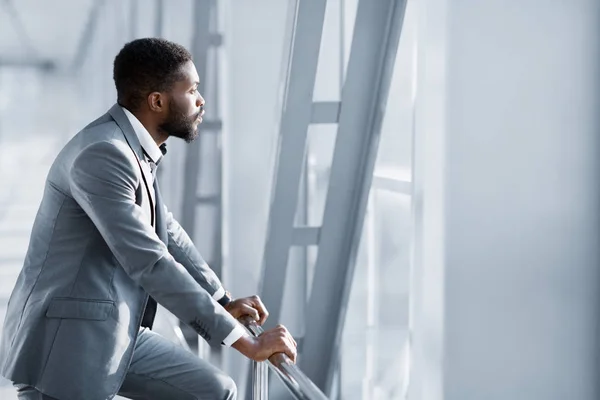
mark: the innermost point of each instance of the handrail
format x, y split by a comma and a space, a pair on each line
294, 379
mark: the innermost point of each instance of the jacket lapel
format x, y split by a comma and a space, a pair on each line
117, 113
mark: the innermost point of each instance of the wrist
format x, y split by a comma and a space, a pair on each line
246, 345
225, 300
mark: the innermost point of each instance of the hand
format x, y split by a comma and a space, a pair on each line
251, 306
276, 340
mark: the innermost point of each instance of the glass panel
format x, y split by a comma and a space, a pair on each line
392, 257
340, 17
320, 146
395, 148
374, 360
311, 260
353, 367
375, 333
293, 306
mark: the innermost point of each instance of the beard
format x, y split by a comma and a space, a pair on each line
180, 125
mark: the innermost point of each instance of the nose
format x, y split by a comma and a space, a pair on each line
199, 101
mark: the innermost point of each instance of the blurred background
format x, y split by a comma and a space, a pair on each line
409, 185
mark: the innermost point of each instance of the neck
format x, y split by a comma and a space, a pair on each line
152, 127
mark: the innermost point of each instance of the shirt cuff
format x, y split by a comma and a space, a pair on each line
235, 335
219, 294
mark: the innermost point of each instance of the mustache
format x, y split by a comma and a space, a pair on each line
199, 113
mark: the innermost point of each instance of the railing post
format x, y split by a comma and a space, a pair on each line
260, 381
298, 384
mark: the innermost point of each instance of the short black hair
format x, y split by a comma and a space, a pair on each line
147, 65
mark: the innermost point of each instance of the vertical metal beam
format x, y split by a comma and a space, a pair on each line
133, 19
216, 261
158, 18
260, 381
296, 116
200, 46
364, 96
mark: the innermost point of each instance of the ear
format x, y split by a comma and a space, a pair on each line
157, 102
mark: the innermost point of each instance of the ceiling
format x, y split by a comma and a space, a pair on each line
42, 30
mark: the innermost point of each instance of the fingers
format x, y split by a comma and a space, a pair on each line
277, 340
245, 309
287, 334
260, 307
290, 350
289, 346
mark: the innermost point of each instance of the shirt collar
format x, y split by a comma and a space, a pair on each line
148, 144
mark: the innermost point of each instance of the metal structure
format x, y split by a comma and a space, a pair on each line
298, 384
206, 39
359, 116
297, 114
260, 381
33, 59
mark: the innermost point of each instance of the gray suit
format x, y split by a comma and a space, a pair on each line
93, 260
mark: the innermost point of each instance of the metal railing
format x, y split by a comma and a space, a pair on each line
292, 377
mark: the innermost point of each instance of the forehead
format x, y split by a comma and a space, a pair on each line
189, 76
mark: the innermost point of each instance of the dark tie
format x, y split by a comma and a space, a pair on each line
153, 166
151, 306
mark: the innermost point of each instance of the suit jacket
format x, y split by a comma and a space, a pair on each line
93, 260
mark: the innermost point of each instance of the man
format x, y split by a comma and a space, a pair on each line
104, 249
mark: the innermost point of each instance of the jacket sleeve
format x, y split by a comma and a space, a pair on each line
103, 179
183, 250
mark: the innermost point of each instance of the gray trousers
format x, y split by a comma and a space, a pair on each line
161, 370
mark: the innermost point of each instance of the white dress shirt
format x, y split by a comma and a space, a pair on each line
153, 153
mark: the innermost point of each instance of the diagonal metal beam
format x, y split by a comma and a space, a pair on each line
326, 112
306, 236
296, 116
364, 97
17, 23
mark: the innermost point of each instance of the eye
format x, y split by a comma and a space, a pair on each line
194, 90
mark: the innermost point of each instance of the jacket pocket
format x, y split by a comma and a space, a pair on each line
68, 307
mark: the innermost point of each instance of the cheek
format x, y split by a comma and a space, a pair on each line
191, 104
185, 105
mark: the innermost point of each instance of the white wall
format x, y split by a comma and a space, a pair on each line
508, 164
